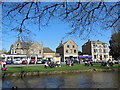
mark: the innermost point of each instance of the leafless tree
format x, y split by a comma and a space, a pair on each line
83, 17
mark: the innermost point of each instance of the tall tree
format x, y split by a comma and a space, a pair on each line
115, 43
82, 16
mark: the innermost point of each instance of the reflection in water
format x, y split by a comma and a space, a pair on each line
78, 80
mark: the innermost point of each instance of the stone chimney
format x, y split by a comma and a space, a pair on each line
61, 42
18, 39
88, 40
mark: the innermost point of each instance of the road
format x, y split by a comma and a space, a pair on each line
18, 65
12, 65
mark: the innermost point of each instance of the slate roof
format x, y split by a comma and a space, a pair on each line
47, 50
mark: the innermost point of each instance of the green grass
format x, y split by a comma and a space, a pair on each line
63, 68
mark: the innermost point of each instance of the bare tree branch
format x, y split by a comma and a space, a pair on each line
80, 15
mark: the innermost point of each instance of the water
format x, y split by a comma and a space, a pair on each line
76, 80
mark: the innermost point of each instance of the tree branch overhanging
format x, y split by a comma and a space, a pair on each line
78, 14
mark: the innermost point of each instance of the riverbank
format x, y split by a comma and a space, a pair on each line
23, 71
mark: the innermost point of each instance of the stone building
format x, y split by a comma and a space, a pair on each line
19, 47
67, 50
99, 50
32, 50
36, 49
49, 54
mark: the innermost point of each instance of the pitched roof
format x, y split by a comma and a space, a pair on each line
47, 50
25, 45
99, 42
94, 42
61, 44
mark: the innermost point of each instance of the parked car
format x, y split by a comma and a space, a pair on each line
0, 61
24, 62
115, 62
32, 61
44, 61
39, 61
9, 62
18, 61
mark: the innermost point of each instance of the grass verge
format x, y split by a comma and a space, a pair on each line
62, 68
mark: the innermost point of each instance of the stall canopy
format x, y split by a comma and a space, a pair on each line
84, 56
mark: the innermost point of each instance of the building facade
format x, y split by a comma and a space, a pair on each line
48, 53
99, 50
32, 50
26, 48
67, 50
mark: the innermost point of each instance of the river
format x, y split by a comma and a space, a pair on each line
76, 80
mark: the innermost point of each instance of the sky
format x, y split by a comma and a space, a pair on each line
52, 35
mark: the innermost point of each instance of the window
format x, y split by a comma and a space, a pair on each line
74, 51
68, 46
66, 51
70, 50
100, 50
104, 46
22, 52
31, 52
94, 45
39, 51
105, 56
15, 51
95, 50
95, 56
105, 51
17, 44
100, 46
73, 46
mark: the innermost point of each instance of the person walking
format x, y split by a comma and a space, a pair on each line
91, 64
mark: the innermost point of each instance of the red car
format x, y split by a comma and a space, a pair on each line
24, 62
0, 62
32, 61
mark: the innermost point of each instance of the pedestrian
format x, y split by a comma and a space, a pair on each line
91, 64
66, 62
46, 65
85, 63
72, 63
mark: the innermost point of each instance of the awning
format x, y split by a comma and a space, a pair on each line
84, 56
